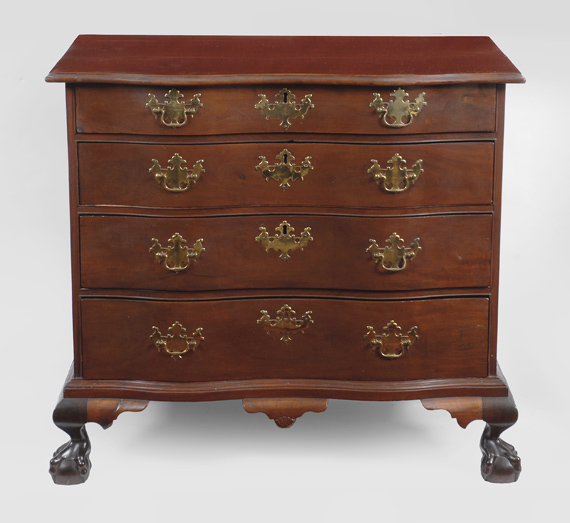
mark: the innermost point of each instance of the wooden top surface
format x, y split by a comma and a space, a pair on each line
211, 60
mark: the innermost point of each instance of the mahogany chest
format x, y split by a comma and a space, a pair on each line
285, 220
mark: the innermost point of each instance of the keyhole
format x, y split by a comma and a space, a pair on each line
285, 158
284, 229
285, 97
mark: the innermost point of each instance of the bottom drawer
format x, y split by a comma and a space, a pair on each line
322, 339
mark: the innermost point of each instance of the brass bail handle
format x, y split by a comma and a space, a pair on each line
173, 112
391, 344
398, 112
177, 343
394, 256
396, 177
177, 177
178, 256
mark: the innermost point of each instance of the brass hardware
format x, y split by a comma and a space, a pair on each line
174, 113
176, 257
392, 343
285, 171
396, 178
284, 241
176, 177
285, 322
284, 107
400, 112
394, 256
176, 343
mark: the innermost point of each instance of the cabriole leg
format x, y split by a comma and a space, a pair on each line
500, 462
70, 464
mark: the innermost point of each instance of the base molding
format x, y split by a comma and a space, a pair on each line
286, 388
284, 401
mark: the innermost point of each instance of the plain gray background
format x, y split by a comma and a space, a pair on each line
212, 462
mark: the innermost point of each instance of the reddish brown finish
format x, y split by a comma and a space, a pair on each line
353, 60
70, 464
464, 410
496, 246
117, 174
455, 253
284, 411
449, 290
491, 386
116, 345
120, 109
500, 462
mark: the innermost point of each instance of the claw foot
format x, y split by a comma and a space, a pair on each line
500, 462
70, 464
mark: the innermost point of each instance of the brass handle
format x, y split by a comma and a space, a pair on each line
392, 343
398, 112
177, 343
178, 256
285, 240
285, 171
285, 322
395, 178
173, 112
284, 107
176, 177
394, 256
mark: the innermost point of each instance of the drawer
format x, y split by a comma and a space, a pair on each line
119, 339
337, 109
455, 252
120, 174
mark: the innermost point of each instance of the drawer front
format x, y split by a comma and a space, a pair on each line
338, 110
119, 340
337, 175
455, 252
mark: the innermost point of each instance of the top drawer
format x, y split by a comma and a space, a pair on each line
335, 109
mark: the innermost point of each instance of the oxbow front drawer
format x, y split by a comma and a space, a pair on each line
277, 338
212, 110
287, 251
286, 175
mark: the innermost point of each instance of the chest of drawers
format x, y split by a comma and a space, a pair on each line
285, 220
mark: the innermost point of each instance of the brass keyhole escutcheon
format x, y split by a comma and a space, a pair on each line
284, 240
284, 108
285, 322
285, 170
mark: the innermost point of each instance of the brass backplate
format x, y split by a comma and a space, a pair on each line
284, 107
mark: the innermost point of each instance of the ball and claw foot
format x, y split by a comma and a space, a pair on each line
70, 464
500, 462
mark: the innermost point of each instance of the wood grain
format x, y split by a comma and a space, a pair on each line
452, 344
455, 253
206, 60
230, 110
117, 174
